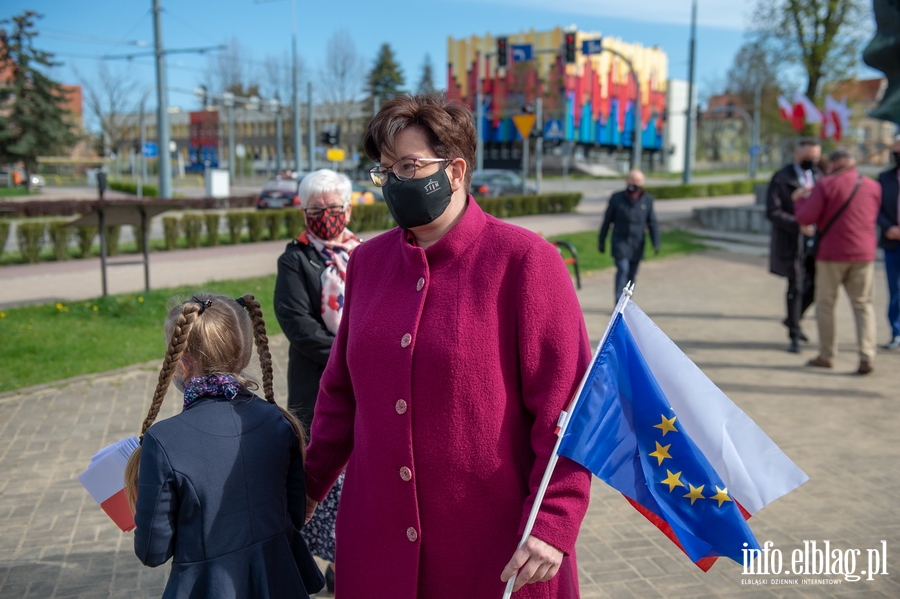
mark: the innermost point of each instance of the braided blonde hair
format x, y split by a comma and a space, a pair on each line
218, 333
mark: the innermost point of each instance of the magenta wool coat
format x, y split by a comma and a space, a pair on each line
446, 378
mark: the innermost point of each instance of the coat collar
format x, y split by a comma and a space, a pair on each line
456, 241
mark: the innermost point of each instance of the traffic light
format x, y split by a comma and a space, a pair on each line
331, 134
570, 47
502, 52
335, 136
325, 138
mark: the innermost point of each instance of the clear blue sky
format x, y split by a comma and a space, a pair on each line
80, 32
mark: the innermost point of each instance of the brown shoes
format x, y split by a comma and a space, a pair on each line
820, 362
865, 367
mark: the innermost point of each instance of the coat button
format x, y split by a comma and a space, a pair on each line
400, 406
420, 284
406, 340
411, 534
406, 474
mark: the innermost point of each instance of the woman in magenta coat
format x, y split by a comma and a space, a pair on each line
460, 343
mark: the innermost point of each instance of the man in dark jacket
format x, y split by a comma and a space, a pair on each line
787, 255
889, 241
630, 213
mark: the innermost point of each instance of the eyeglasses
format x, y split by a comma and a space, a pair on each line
331, 210
404, 169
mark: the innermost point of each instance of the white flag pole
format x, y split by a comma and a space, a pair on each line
563, 424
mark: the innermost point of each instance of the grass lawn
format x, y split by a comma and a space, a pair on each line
9, 192
673, 242
50, 342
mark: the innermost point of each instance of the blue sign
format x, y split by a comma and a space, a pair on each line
755, 150
553, 129
521, 52
150, 149
592, 46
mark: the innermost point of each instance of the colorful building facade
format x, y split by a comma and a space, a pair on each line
590, 101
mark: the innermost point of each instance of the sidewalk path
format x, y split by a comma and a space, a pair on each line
723, 310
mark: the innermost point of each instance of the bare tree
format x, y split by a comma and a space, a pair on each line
110, 100
228, 68
822, 37
278, 82
342, 77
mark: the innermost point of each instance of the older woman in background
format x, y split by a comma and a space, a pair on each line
309, 299
461, 342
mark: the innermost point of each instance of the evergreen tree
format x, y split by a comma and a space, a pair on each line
386, 79
426, 82
33, 121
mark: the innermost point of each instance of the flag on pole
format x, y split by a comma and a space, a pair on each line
805, 112
648, 422
785, 108
836, 118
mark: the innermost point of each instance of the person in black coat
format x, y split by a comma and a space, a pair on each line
889, 242
631, 214
309, 299
220, 488
788, 242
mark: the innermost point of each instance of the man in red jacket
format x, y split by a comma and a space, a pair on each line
844, 208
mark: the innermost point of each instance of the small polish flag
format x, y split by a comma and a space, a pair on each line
785, 108
805, 112
104, 479
837, 118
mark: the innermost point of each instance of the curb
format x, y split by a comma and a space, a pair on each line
8, 396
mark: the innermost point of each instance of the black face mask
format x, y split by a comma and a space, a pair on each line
807, 165
417, 202
634, 189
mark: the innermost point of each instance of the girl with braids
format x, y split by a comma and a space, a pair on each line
220, 487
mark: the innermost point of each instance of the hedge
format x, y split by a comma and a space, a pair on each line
701, 190
148, 191
81, 207
285, 224
4, 233
60, 233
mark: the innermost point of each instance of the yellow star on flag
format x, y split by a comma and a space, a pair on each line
696, 493
661, 453
667, 424
721, 496
673, 480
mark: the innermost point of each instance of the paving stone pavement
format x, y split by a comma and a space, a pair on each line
722, 309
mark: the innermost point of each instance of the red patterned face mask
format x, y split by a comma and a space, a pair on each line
327, 226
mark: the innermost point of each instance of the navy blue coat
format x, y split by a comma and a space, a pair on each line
887, 217
221, 490
630, 219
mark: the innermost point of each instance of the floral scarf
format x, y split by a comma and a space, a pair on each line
213, 385
335, 255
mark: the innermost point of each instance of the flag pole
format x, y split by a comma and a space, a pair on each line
562, 424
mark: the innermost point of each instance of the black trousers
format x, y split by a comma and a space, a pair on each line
801, 293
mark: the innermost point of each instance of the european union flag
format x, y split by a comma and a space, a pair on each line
625, 430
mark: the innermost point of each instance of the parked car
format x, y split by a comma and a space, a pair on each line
281, 192
499, 182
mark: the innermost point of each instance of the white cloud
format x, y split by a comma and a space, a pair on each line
726, 14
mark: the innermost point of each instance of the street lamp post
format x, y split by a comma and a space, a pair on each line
689, 121
228, 101
162, 110
637, 144
479, 113
295, 104
275, 105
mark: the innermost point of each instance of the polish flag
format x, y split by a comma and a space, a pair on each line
785, 108
104, 479
837, 118
804, 113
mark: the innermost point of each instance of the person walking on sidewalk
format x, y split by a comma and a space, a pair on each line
889, 241
789, 254
844, 208
630, 212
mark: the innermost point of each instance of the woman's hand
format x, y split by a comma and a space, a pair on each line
310, 508
535, 561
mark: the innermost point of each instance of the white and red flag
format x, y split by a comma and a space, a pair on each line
785, 108
804, 113
837, 119
104, 479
